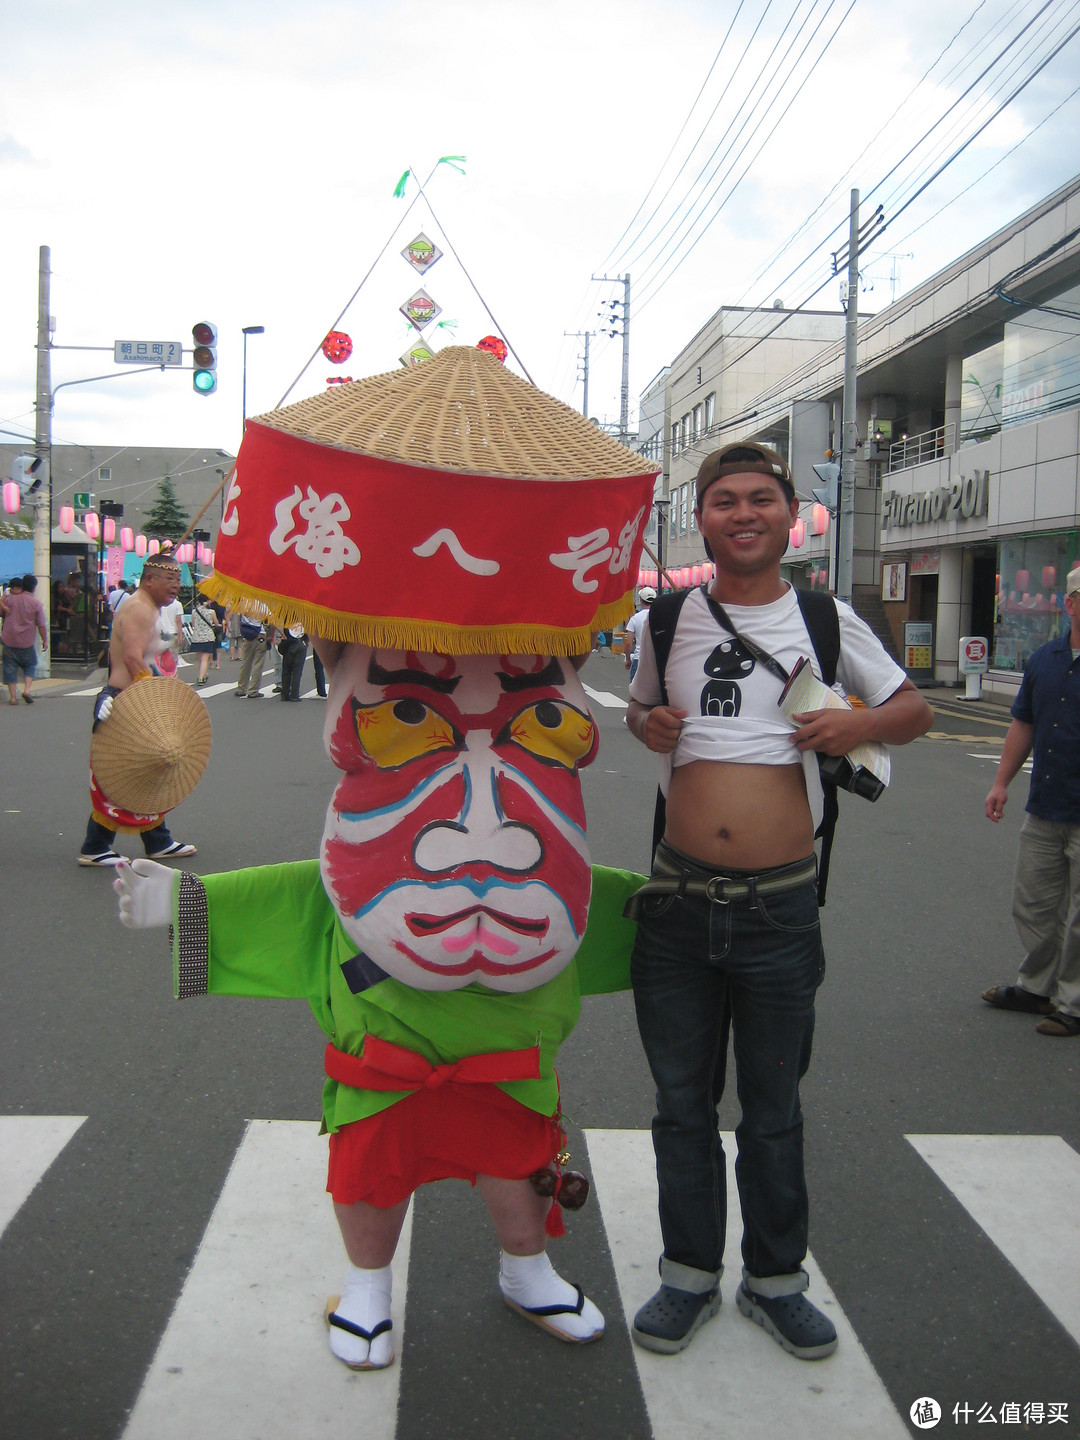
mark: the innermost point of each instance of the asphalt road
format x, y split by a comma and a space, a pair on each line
917, 924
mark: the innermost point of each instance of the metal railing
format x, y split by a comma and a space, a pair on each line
917, 449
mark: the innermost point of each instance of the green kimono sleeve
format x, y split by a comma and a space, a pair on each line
264, 931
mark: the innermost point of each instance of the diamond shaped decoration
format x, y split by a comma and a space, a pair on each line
420, 309
416, 354
421, 253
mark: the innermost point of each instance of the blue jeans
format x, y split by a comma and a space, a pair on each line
700, 969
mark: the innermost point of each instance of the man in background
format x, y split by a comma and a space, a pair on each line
1046, 884
23, 615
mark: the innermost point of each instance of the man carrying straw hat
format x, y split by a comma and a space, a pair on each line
134, 647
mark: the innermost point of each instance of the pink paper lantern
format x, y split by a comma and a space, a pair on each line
153, 547
695, 575
127, 538
92, 524
12, 497
819, 519
1048, 577
67, 518
798, 533
140, 546
1022, 579
209, 557
108, 529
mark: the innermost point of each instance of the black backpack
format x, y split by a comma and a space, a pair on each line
823, 626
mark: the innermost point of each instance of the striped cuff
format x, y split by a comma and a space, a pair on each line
189, 938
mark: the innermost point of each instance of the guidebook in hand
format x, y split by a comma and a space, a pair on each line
805, 692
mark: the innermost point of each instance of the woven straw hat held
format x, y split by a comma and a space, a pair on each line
450, 506
151, 752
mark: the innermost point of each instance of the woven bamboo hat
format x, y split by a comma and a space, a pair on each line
151, 752
449, 506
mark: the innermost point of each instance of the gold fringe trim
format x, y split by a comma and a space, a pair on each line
402, 633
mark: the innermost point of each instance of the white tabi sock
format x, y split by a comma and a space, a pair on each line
531, 1281
365, 1302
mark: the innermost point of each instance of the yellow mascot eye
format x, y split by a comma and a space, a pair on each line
394, 732
552, 731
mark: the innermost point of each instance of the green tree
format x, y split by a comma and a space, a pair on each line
167, 519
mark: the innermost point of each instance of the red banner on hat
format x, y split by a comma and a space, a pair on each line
405, 556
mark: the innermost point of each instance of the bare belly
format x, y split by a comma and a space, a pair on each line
748, 817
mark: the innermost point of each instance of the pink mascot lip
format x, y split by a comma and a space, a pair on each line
476, 962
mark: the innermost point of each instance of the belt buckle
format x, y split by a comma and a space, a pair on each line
710, 891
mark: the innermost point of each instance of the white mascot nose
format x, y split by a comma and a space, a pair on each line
480, 832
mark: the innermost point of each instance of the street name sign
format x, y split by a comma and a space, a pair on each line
148, 352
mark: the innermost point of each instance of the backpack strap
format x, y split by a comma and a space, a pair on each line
823, 626
663, 618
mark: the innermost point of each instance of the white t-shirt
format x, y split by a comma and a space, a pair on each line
731, 699
172, 616
633, 629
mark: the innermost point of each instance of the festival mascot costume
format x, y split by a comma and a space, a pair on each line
453, 537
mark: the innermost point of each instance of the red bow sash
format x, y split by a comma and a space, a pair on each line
386, 1066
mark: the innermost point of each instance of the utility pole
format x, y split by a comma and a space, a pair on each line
43, 446
849, 447
624, 405
583, 335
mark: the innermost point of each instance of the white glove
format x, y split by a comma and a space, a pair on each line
104, 710
146, 893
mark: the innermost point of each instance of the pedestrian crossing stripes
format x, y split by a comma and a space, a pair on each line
842, 1399
601, 697
245, 1355
28, 1146
1021, 1189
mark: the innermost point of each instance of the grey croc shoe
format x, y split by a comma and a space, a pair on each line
667, 1323
792, 1322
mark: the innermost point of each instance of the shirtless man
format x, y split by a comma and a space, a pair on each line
729, 937
134, 647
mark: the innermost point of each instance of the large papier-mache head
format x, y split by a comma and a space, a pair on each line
454, 848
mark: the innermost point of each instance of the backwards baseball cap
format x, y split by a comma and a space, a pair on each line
1072, 582
741, 458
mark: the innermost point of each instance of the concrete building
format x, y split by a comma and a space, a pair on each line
968, 482
130, 475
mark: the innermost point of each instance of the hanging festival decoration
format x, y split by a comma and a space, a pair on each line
416, 354
339, 379
494, 346
421, 253
337, 347
420, 309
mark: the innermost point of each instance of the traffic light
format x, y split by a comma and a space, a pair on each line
204, 358
26, 471
828, 492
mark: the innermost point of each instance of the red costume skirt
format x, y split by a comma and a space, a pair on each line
453, 1132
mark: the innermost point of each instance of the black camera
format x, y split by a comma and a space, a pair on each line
839, 771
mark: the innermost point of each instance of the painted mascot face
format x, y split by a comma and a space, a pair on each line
454, 848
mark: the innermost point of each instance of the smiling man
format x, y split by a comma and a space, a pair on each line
728, 934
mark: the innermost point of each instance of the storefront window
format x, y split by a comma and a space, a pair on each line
980, 394
1041, 371
1030, 588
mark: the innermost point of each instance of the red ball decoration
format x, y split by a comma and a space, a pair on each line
494, 346
337, 347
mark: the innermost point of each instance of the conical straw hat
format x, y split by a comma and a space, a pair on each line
151, 752
461, 411
449, 506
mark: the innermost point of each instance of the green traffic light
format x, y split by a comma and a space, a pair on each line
204, 381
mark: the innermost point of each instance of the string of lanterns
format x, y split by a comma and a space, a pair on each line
105, 529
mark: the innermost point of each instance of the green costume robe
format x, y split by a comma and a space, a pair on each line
272, 931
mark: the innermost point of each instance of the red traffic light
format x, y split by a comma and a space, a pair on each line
203, 333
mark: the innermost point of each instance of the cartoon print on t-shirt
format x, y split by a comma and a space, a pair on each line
722, 697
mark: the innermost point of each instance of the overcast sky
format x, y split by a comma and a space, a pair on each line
237, 162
